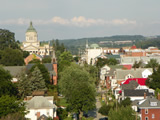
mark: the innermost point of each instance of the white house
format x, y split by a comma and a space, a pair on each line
39, 106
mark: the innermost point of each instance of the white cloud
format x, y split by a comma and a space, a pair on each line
80, 21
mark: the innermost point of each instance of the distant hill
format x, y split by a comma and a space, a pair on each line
75, 45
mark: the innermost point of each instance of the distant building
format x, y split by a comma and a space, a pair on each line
92, 52
32, 45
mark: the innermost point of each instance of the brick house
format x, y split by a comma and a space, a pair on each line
31, 57
150, 108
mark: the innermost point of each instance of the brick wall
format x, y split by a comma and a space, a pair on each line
156, 113
55, 77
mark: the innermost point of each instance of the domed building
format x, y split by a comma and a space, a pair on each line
92, 52
32, 45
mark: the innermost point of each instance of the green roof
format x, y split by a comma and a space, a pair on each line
31, 28
113, 56
94, 46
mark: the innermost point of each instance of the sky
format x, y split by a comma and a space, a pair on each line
73, 19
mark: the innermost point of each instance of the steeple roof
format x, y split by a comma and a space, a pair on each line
31, 28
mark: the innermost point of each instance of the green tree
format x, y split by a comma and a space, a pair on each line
62, 113
44, 72
12, 57
13, 116
104, 110
153, 80
35, 61
7, 40
25, 54
36, 80
112, 61
65, 59
46, 60
78, 89
122, 113
6, 86
9, 105
126, 102
24, 85
152, 64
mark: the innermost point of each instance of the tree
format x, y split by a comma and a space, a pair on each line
12, 57
36, 80
153, 63
44, 72
126, 102
78, 89
112, 61
12, 116
24, 85
35, 61
9, 105
153, 80
7, 40
122, 113
25, 54
65, 59
62, 113
6, 86
104, 110
46, 60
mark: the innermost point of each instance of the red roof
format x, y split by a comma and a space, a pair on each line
141, 81
133, 47
127, 66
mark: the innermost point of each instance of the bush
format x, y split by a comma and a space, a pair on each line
104, 110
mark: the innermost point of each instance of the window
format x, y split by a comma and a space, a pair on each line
146, 118
153, 116
153, 103
146, 111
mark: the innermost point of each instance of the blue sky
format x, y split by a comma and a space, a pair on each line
65, 19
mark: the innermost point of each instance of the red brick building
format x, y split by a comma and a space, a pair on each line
150, 108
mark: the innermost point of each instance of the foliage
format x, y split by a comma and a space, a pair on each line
43, 71
25, 54
122, 113
77, 87
37, 61
153, 63
29, 83
46, 60
10, 105
104, 110
157, 92
11, 57
13, 116
101, 62
24, 85
62, 113
7, 40
36, 80
65, 60
153, 80
137, 64
126, 102
6, 86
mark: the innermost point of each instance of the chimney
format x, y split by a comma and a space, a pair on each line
159, 96
144, 95
38, 114
137, 80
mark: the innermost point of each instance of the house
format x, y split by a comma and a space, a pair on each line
135, 94
32, 57
150, 108
15, 71
40, 106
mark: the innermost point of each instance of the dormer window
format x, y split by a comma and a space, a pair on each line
153, 103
